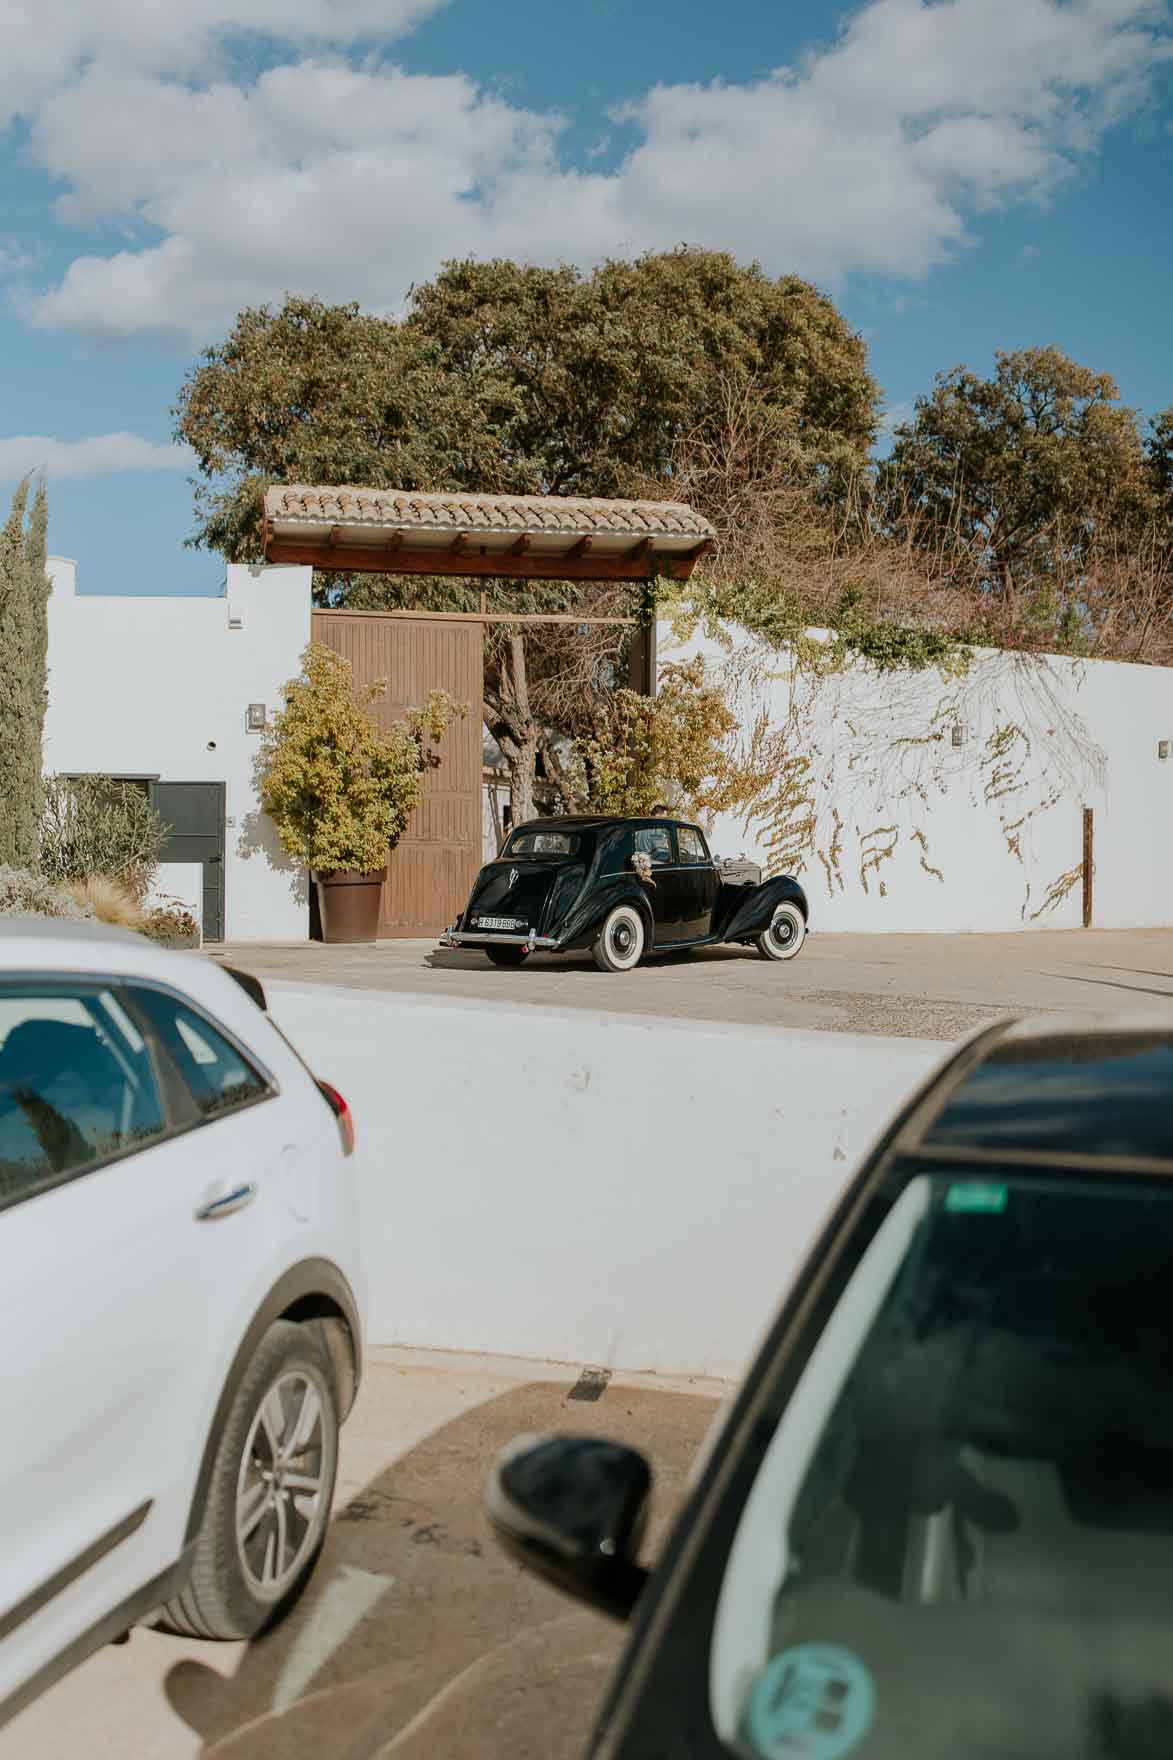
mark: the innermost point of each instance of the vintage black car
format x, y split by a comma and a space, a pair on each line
623, 888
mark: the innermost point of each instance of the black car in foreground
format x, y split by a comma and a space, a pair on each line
937, 1520
621, 887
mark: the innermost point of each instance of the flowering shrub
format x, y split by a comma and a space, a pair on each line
170, 920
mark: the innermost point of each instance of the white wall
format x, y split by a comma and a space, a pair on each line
1088, 735
160, 686
592, 1188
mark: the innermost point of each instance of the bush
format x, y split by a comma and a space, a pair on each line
169, 922
338, 790
24, 894
107, 900
93, 826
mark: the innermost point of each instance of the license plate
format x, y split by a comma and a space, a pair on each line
500, 923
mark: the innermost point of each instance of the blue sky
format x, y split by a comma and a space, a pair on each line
961, 176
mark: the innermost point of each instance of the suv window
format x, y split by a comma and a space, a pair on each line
214, 1072
959, 1537
77, 1086
691, 844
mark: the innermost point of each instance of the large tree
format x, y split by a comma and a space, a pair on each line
1017, 480
24, 594
506, 378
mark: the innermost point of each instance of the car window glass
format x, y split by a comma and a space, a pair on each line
654, 841
218, 1077
691, 845
76, 1084
960, 1537
542, 843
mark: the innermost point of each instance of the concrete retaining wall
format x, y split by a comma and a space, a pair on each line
606, 1189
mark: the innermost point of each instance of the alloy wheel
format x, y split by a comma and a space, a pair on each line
279, 1487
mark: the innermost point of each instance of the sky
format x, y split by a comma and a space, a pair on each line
960, 176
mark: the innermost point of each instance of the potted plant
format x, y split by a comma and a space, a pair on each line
340, 790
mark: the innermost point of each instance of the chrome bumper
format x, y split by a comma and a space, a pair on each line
490, 938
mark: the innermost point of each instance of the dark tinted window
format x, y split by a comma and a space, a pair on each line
1104, 1095
958, 1540
76, 1083
218, 1077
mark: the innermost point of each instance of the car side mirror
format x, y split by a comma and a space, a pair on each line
573, 1509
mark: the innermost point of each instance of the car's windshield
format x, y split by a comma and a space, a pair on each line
542, 843
959, 1543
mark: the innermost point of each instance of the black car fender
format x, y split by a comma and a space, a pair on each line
752, 913
582, 921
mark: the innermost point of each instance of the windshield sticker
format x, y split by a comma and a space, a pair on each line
812, 1702
970, 1198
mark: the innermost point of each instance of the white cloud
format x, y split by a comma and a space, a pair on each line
101, 455
870, 156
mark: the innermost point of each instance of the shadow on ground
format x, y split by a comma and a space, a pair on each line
418, 1636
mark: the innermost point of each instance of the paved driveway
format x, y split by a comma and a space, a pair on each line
418, 1637
916, 986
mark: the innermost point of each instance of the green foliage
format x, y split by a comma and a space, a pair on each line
25, 893
338, 789
91, 825
1020, 475
675, 747
514, 379
24, 593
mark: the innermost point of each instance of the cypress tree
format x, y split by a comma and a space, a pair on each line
24, 598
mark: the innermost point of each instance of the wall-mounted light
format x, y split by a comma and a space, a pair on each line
1162, 748
958, 734
256, 721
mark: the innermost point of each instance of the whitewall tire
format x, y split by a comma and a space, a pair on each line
619, 944
786, 934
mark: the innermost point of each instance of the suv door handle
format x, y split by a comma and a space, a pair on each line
224, 1200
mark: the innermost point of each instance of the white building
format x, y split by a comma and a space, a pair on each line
174, 692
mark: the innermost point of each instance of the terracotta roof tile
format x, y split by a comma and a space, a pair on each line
404, 508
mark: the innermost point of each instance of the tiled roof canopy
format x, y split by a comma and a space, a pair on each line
552, 537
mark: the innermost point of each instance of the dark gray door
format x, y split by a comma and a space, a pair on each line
193, 813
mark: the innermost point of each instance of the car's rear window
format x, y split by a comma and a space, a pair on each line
1089, 1094
542, 843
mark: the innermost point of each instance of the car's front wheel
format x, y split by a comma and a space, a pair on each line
507, 956
786, 934
270, 1494
619, 944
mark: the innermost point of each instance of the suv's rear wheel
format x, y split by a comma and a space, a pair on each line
269, 1499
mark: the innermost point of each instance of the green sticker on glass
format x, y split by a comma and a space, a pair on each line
972, 1198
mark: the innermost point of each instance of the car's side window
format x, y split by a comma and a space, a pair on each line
691, 844
77, 1086
654, 841
218, 1077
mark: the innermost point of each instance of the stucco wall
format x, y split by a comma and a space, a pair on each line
985, 836
160, 686
592, 1188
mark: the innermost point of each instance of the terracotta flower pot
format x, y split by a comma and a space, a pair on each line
349, 904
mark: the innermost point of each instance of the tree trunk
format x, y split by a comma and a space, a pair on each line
513, 726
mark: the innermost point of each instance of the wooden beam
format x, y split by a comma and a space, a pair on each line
392, 558
637, 551
520, 548
488, 617
458, 543
335, 534
582, 548
704, 548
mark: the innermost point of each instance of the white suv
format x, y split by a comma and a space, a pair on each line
180, 1300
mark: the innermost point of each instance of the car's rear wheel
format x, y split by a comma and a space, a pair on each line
508, 956
786, 934
619, 944
270, 1495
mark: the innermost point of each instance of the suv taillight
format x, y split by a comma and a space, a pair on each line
341, 1112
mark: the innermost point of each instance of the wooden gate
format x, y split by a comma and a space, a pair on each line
432, 867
